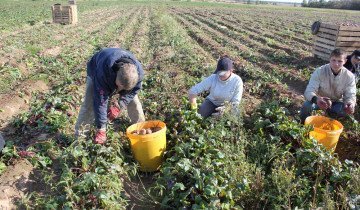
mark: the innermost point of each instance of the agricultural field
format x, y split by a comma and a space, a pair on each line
263, 159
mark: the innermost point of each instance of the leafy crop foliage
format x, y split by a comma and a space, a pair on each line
261, 159
91, 175
272, 163
194, 174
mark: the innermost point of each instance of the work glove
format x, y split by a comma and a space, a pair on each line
100, 136
219, 111
25, 154
349, 108
193, 106
323, 103
113, 112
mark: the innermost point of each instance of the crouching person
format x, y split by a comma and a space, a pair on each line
331, 88
223, 85
353, 64
110, 71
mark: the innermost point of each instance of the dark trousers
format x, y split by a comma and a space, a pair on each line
336, 110
207, 108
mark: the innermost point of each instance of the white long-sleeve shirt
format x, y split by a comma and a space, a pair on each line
324, 83
230, 90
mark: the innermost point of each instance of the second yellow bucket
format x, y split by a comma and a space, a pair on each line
148, 149
326, 131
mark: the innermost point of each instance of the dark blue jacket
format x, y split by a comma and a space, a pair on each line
103, 76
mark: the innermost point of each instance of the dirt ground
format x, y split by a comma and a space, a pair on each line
137, 192
15, 182
12, 103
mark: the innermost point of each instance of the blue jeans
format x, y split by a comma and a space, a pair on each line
207, 108
336, 110
86, 115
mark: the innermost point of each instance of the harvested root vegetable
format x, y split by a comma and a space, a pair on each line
148, 131
142, 132
155, 129
135, 132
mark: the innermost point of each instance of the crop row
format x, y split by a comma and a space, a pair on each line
53, 113
262, 159
37, 47
237, 53
196, 173
265, 56
24, 16
259, 32
138, 41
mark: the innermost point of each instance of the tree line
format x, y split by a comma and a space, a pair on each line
333, 4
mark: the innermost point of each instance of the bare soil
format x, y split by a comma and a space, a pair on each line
14, 183
137, 192
348, 149
16, 101
52, 52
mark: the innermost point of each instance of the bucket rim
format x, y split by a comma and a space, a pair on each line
310, 118
130, 128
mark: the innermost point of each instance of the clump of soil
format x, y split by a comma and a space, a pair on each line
146, 131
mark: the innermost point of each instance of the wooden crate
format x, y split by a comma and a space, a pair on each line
64, 14
331, 36
72, 2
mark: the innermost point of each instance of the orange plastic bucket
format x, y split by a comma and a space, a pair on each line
148, 149
326, 131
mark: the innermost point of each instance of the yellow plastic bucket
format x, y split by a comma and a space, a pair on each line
326, 131
148, 149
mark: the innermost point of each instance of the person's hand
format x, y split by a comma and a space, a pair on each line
113, 112
100, 136
349, 108
219, 111
193, 106
324, 103
328, 101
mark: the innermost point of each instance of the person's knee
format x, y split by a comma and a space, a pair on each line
204, 113
306, 110
135, 111
206, 109
307, 106
337, 110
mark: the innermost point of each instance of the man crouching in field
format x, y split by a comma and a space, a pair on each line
331, 88
110, 71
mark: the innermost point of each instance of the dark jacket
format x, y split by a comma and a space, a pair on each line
355, 69
99, 69
348, 64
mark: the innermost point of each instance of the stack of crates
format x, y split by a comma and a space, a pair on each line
331, 36
64, 14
